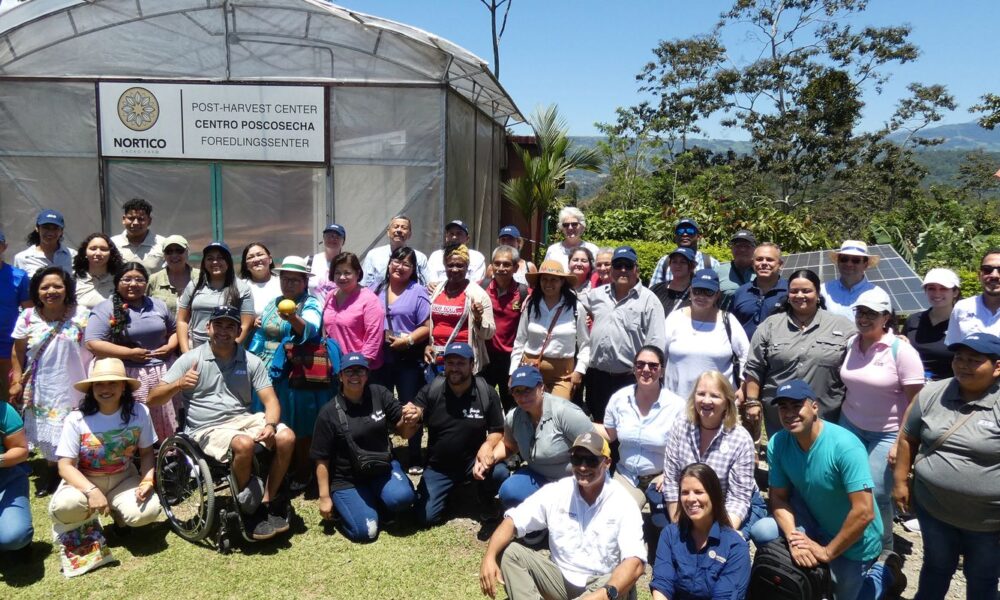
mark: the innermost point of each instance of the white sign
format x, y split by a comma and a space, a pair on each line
218, 122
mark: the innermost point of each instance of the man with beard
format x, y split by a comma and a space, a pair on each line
979, 314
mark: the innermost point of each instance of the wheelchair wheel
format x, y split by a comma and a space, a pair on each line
185, 488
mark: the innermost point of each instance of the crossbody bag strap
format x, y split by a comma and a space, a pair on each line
944, 437
548, 334
737, 380
50, 336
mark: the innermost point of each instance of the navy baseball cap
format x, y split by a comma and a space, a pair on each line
226, 312
50, 217
744, 235
219, 245
690, 222
335, 228
354, 359
687, 253
795, 389
706, 279
509, 230
983, 343
459, 349
625, 253
457, 223
525, 376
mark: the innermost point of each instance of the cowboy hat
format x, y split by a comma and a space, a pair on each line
107, 369
294, 264
550, 267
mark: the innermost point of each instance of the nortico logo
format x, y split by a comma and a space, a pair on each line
138, 109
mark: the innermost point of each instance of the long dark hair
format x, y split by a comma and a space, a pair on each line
232, 292
119, 333
36, 282
535, 298
405, 253
710, 481
660, 356
80, 263
244, 270
813, 278
89, 405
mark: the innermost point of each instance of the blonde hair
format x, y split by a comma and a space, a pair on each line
731, 418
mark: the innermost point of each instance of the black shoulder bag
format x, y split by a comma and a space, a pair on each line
366, 464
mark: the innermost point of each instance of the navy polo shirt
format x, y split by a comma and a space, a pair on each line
719, 570
751, 306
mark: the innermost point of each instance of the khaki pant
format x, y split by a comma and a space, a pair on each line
529, 574
69, 505
638, 493
215, 439
556, 373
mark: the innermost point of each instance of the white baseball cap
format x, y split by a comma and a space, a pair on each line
944, 277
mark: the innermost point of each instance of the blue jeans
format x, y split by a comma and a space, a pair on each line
359, 506
15, 511
943, 544
434, 487
406, 378
519, 485
878, 444
852, 579
756, 512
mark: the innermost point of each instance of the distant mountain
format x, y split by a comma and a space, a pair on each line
963, 136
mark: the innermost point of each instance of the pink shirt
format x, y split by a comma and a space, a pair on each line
875, 399
358, 324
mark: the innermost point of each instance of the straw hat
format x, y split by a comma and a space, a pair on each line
107, 369
294, 264
854, 248
551, 267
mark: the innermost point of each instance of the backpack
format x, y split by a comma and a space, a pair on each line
774, 576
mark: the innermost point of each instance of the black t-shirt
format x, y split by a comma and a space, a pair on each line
671, 299
928, 340
457, 427
369, 429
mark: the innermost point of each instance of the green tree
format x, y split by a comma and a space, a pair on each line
989, 105
976, 175
545, 171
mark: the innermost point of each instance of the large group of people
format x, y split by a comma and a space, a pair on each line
570, 396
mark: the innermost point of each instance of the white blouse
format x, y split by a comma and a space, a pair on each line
570, 336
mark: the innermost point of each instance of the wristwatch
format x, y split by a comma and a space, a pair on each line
273, 426
611, 590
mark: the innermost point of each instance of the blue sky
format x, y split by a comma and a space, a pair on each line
584, 54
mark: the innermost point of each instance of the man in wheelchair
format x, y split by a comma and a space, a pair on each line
216, 380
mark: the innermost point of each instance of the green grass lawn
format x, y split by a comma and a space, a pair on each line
440, 563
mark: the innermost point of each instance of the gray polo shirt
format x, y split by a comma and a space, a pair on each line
546, 446
224, 388
960, 482
622, 327
780, 352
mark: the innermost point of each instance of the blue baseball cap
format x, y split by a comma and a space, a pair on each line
625, 253
219, 245
795, 389
50, 217
226, 311
354, 359
510, 230
457, 223
525, 376
459, 349
687, 253
335, 228
706, 279
983, 343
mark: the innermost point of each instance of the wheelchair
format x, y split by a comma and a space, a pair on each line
198, 493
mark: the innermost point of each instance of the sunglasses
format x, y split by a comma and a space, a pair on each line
857, 260
571, 225
623, 265
642, 365
701, 292
588, 460
686, 231
988, 269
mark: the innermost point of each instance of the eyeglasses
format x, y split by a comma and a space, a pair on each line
588, 460
130, 280
355, 371
701, 292
988, 269
686, 231
857, 260
641, 365
571, 224
399, 263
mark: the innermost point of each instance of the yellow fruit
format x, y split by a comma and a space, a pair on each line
286, 307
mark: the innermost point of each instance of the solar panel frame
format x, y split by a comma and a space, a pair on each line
892, 274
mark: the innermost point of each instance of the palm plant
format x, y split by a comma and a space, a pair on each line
545, 173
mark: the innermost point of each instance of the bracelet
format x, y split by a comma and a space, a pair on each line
88, 490
409, 340
751, 403
273, 426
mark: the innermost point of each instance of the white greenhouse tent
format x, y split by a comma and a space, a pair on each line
244, 120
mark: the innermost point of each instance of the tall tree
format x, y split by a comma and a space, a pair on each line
989, 105
495, 6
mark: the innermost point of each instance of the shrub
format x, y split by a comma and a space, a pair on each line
650, 252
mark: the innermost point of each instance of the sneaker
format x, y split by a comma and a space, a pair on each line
912, 525
277, 523
894, 564
264, 530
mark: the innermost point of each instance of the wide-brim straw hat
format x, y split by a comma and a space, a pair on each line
551, 267
854, 248
107, 369
294, 264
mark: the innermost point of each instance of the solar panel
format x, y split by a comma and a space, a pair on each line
892, 274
